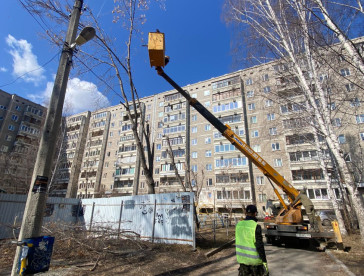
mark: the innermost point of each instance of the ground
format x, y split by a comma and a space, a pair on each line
74, 254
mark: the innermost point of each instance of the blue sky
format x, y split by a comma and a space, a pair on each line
197, 40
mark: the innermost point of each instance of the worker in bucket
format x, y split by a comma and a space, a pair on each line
250, 252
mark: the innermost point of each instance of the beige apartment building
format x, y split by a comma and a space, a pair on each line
262, 104
21, 122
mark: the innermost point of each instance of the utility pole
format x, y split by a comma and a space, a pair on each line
188, 147
37, 196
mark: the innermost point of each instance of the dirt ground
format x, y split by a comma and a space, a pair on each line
353, 255
76, 255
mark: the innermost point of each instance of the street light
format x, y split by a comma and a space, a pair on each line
37, 196
85, 35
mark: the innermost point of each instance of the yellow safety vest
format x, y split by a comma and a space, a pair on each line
246, 252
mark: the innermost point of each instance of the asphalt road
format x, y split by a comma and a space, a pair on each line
281, 261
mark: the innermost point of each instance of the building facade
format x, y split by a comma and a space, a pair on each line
262, 104
21, 123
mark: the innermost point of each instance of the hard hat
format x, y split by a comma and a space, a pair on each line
251, 209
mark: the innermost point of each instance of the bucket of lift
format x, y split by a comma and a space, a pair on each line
156, 49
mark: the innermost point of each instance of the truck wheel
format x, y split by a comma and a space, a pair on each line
270, 239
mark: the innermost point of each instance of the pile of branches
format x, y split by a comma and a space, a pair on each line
74, 245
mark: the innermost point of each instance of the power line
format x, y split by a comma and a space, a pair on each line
40, 67
90, 70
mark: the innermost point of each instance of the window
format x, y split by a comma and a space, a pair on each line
206, 104
260, 180
194, 118
355, 102
208, 140
250, 94
156, 171
347, 157
225, 147
342, 139
249, 81
360, 119
345, 72
111, 134
208, 167
262, 197
208, 153
257, 148
331, 106
318, 194
336, 122
275, 146
142, 185
4, 148
194, 154
159, 146
268, 103
11, 127
255, 133
265, 77
361, 134
209, 182
323, 77
160, 114
194, 95
149, 106
266, 89
194, 168
8, 137
251, 106
226, 106
18, 108
207, 127
270, 116
273, 131
194, 129
157, 158
277, 162
349, 87
253, 119
194, 142
206, 93
14, 118
231, 162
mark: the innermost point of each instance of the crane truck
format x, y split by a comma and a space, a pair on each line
289, 223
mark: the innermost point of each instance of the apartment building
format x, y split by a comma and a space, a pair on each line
21, 123
262, 104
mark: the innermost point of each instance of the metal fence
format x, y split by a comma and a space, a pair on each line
165, 218
12, 210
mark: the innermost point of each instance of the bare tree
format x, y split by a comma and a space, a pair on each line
287, 29
112, 59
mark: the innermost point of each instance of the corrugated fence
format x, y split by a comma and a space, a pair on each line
166, 218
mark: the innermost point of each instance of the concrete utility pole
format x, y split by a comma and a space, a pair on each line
37, 196
188, 147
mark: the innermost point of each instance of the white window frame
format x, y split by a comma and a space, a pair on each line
277, 162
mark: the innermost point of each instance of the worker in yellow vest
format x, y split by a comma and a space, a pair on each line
249, 244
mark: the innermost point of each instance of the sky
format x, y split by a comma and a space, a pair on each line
197, 40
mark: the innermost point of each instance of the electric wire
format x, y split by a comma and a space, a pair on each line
38, 68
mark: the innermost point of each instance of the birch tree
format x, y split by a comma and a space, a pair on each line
286, 27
